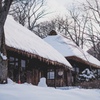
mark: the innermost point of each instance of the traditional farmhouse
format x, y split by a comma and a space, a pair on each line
31, 58
78, 58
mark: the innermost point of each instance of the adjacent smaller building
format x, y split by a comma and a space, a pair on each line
77, 57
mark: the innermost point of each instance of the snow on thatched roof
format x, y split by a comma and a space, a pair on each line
69, 49
21, 39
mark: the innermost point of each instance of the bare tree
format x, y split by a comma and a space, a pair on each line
93, 9
73, 26
28, 12
4, 9
44, 28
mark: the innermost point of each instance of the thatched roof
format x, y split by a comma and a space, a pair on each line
23, 41
69, 50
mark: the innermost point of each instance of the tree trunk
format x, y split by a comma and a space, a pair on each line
4, 9
3, 60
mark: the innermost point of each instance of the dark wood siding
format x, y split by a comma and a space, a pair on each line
25, 69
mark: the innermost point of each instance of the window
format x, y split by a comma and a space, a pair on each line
98, 71
23, 63
11, 61
51, 75
11, 58
77, 69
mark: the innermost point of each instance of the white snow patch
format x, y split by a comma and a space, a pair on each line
3, 56
42, 82
10, 81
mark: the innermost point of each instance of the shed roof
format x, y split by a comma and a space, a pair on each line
22, 40
70, 50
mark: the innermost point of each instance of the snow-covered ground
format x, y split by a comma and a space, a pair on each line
13, 91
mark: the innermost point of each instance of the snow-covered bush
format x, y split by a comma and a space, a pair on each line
86, 75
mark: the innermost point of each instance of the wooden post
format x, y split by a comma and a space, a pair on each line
19, 70
55, 77
97, 74
70, 77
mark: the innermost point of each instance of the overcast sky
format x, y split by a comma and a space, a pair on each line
58, 7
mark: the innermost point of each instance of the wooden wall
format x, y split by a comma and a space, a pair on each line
23, 69
78, 68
